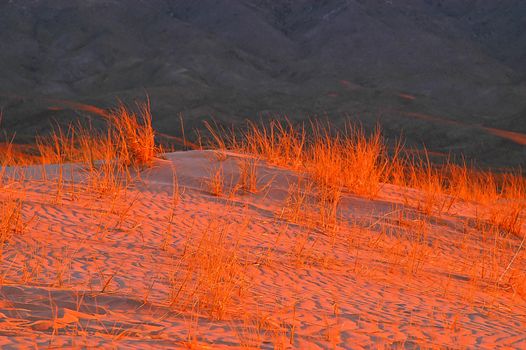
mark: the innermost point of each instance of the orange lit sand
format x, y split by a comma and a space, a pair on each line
99, 272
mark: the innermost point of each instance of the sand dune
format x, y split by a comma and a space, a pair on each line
113, 271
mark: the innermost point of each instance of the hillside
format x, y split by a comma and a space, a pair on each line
454, 62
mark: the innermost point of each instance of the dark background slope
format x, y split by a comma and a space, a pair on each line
408, 64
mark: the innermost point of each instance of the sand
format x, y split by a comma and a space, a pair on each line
144, 268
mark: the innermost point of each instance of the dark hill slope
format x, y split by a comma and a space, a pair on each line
384, 60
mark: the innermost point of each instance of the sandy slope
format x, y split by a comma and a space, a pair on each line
99, 271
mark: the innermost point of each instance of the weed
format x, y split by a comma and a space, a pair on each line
248, 181
216, 183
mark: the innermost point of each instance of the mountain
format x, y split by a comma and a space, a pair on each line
447, 73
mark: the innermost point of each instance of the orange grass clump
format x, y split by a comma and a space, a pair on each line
248, 181
129, 139
351, 160
216, 183
211, 272
11, 220
134, 134
348, 159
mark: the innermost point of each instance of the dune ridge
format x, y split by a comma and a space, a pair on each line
278, 238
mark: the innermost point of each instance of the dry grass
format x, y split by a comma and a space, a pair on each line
248, 180
353, 161
134, 135
106, 158
11, 220
297, 202
348, 159
211, 273
175, 200
312, 205
17, 154
215, 185
129, 139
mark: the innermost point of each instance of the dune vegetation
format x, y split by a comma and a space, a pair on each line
272, 236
